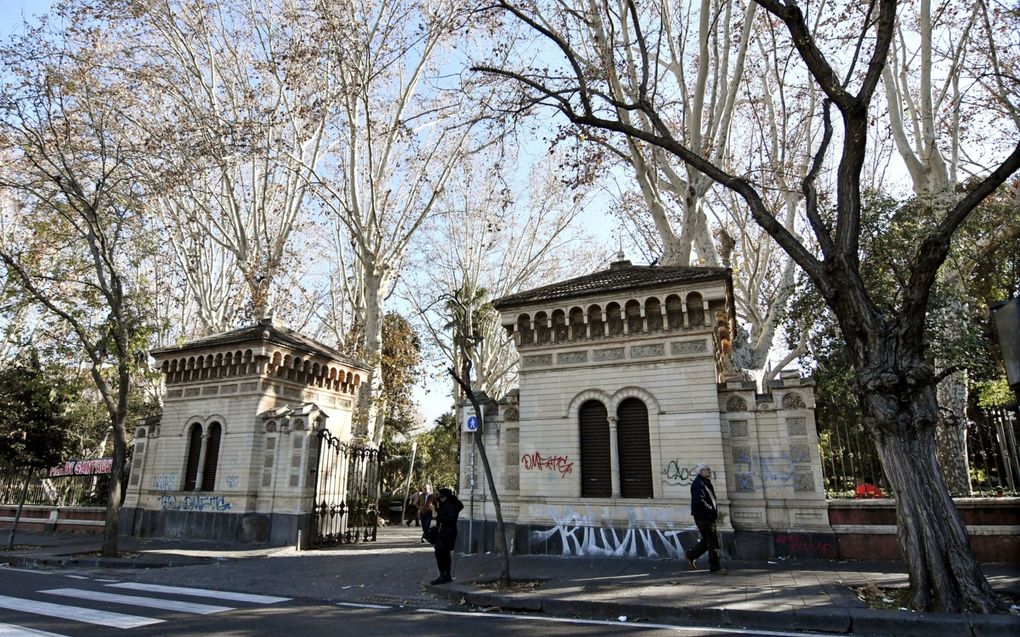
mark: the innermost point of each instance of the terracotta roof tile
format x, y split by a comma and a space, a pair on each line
620, 276
263, 332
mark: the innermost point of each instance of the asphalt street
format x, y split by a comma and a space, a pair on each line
90, 604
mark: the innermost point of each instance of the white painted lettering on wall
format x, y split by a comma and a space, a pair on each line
232, 481
194, 503
165, 481
587, 534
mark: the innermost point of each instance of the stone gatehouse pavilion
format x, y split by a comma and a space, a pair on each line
233, 457
626, 386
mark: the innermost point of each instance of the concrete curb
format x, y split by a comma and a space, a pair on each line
860, 622
29, 561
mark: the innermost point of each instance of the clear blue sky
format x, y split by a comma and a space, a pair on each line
11, 12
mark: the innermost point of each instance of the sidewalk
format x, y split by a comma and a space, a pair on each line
774, 595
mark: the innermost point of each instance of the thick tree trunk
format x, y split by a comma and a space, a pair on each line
371, 408
115, 491
944, 575
951, 435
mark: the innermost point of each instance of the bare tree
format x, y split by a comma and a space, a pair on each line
240, 97
402, 131
895, 379
70, 236
487, 243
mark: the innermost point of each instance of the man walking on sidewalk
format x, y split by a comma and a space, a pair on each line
705, 510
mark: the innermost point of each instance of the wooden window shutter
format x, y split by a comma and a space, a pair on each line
194, 452
596, 471
212, 455
635, 452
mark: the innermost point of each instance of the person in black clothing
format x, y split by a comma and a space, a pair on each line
447, 510
705, 510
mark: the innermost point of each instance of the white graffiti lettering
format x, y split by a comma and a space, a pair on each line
586, 534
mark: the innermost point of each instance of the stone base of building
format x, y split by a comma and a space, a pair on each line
275, 529
529, 539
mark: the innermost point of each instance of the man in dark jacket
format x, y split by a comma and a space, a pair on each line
705, 510
447, 511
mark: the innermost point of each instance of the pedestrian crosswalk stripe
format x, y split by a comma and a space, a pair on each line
201, 592
10, 630
87, 615
133, 600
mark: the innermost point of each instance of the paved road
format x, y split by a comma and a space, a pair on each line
86, 604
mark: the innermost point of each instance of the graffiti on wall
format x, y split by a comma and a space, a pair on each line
232, 481
587, 534
536, 461
194, 503
678, 474
164, 481
777, 470
806, 545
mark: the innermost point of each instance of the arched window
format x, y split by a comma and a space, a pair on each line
635, 323
653, 314
212, 455
596, 468
542, 328
577, 323
614, 319
696, 309
595, 324
674, 312
634, 449
194, 454
559, 320
524, 329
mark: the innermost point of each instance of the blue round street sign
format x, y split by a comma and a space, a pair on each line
471, 424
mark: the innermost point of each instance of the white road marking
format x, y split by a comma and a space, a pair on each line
10, 630
133, 600
603, 622
77, 577
75, 613
353, 605
202, 592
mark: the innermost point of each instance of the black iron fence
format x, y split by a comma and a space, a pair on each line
48, 487
346, 493
852, 469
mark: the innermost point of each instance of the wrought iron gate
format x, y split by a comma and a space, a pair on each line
346, 493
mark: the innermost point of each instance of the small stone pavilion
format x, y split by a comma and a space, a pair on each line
234, 455
626, 386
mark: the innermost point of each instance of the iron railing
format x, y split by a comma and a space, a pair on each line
849, 458
346, 493
70, 491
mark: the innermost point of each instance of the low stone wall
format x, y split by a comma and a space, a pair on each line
234, 528
866, 529
53, 518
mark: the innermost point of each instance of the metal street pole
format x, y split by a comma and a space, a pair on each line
407, 487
